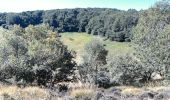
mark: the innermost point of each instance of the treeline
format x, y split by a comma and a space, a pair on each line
112, 23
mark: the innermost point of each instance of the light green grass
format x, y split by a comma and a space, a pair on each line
118, 48
77, 41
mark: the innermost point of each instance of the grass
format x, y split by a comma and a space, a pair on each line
76, 90
28, 93
77, 41
81, 92
130, 90
80, 89
139, 90
12, 92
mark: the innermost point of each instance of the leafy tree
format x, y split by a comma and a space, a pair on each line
35, 54
116, 25
128, 70
151, 39
94, 59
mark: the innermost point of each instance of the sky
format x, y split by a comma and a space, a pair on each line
29, 5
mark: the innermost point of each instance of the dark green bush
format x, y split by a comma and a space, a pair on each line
34, 55
128, 70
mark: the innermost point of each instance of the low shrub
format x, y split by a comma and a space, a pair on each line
128, 70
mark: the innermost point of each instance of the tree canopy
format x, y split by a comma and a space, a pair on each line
112, 23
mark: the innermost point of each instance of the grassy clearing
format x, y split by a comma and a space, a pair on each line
77, 41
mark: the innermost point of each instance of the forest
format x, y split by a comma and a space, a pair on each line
36, 63
111, 23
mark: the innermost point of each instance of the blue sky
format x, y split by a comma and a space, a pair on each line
28, 5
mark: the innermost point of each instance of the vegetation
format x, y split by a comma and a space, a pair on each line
151, 36
77, 41
38, 54
34, 54
94, 59
82, 89
16, 93
128, 70
112, 23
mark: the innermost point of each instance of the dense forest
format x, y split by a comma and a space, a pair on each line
111, 23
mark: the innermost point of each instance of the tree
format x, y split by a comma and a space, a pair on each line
128, 70
96, 21
94, 58
35, 54
151, 39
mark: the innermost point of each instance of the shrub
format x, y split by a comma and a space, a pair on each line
103, 79
34, 54
128, 70
93, 60
151, 37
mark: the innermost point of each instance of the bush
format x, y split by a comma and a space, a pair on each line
151, 37
128, 70
93, 60
103, 79
34, 54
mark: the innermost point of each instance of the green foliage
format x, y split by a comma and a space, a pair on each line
128, 70
77, 41
34, 54
95, 51
93, 61
115, 25
111, 23
151, 37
